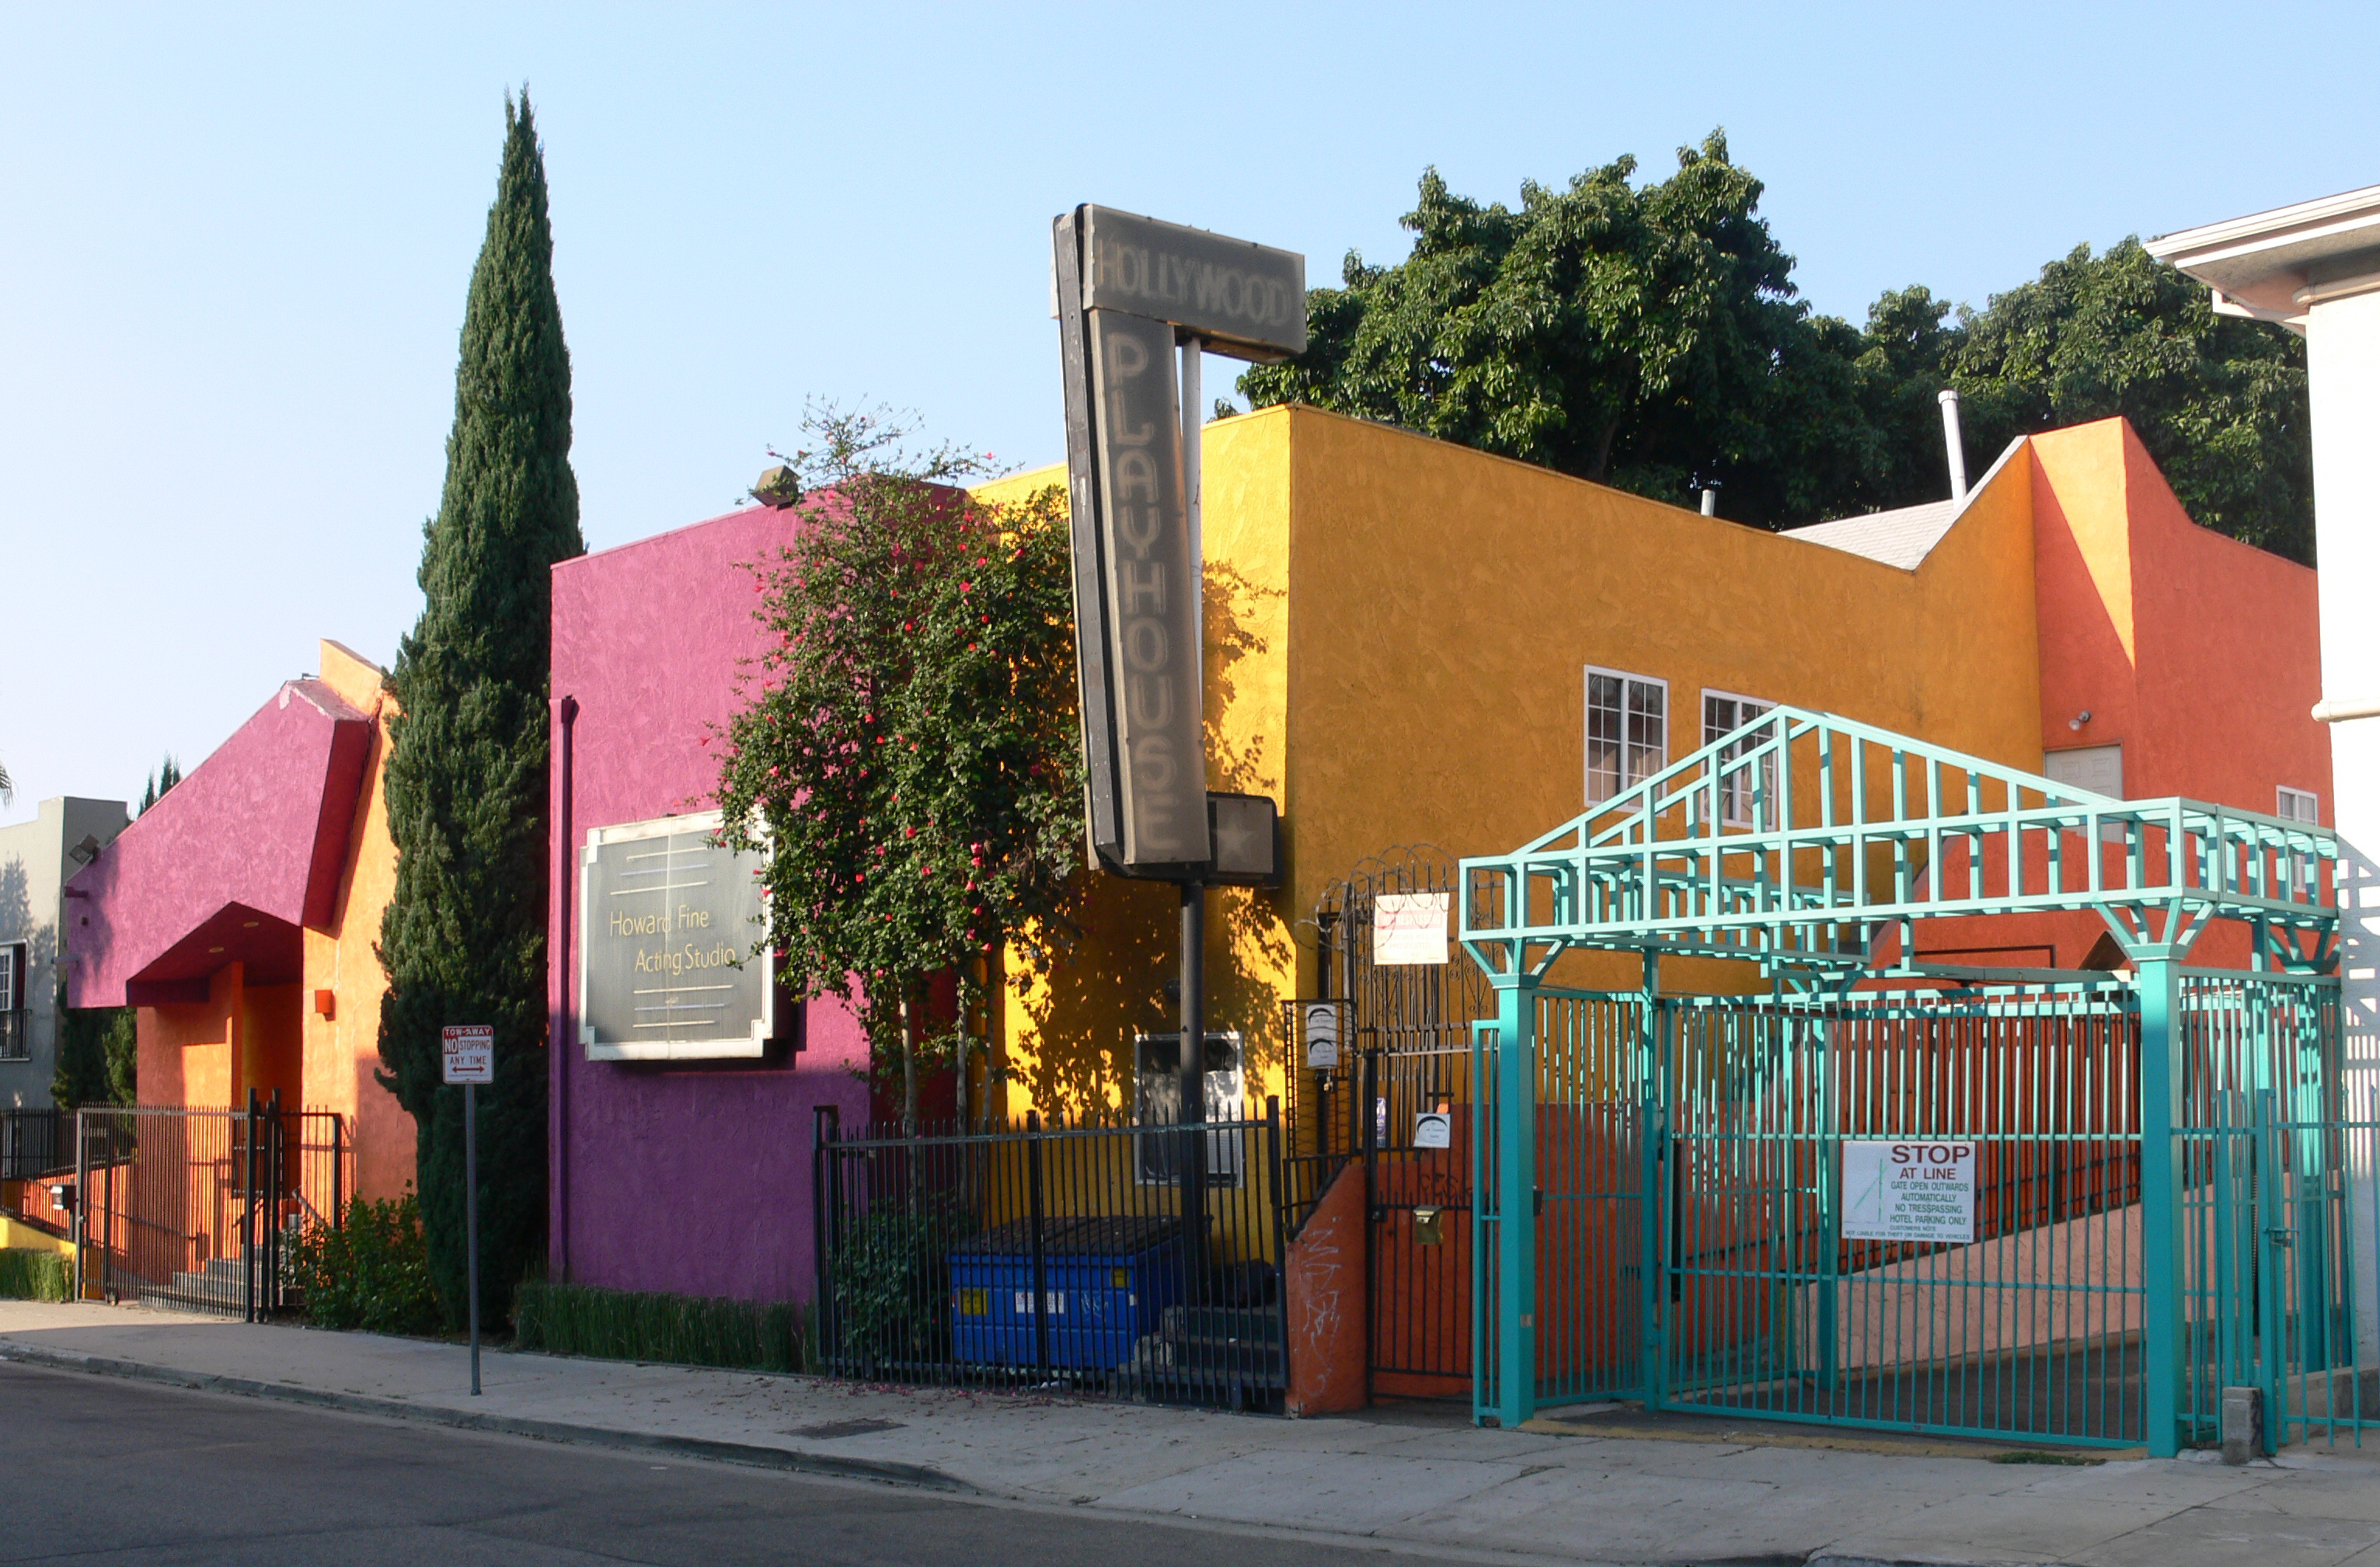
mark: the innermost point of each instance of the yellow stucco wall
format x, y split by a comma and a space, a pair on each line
342, 1050
18, 1236
1397, 631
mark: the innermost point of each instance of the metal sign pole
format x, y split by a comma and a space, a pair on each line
1193, 1114
469, 1059
472, 1215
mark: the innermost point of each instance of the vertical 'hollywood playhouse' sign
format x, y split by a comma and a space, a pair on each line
1128, 290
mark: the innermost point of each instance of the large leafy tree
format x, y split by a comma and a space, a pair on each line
1650, 336
2220, 403
464, 937
907, 757
1646, 336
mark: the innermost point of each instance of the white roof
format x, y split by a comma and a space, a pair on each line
1901, 537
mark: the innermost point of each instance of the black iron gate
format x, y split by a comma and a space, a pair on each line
193, 1208
1399, 1098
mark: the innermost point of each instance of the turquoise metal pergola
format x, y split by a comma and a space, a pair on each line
1811, 845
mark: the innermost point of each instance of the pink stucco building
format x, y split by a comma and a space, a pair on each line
681, 1168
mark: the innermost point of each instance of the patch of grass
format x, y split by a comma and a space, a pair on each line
2034, 1455
677, 1330
29, 1274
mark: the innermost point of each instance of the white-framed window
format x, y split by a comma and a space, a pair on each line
15, 1042
1627, 731
1158, 1102
1724, 712
2300, 805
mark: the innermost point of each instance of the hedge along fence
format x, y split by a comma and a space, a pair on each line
677, 1330
26, 1274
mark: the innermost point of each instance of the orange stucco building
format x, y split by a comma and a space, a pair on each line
1402, 635
1411, 643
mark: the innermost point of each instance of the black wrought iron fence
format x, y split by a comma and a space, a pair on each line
194, 1207
29, 1144
1136, 1261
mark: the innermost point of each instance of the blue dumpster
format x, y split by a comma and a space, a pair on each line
1109, 1281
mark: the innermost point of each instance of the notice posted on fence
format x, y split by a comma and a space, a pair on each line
1409, 927
1896, 1189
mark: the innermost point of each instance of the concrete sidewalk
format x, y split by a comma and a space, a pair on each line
1601, 1488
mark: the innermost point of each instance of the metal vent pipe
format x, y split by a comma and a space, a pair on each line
1956, 448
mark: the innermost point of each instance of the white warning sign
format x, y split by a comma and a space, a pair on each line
1908, 1190
1409, 927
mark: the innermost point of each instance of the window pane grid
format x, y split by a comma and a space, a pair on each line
1721, 717
1627, 733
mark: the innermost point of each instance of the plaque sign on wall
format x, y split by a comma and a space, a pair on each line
667, 923
1127, 291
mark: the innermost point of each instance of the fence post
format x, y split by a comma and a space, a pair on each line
2160, 1210
277, 1183
1040, 1268
1280, 1240
825, 1182
1653, 1189
248, 1217
1364, 1107
106, 1212
1516, 1190
2272, 1275
338, 1170
82, 1199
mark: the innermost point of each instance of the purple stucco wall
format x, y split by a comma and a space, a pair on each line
226, 867
694, 1178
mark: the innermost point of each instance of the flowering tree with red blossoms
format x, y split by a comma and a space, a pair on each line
906, 760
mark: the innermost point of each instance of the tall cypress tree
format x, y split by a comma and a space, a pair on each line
464, 937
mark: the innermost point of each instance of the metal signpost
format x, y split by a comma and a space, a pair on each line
1129, 292
469, 1058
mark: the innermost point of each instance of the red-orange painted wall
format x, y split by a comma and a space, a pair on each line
2198, 654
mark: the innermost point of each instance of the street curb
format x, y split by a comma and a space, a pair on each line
793, 1459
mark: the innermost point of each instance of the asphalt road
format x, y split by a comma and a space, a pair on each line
101, 1471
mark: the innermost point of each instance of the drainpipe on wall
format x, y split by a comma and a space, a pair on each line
559, 1037
1958, 449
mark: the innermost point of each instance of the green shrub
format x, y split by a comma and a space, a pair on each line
29, 1274
891, 1276
372, 1273
678, 1330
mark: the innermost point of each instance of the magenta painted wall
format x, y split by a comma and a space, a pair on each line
692, 1178
226, 867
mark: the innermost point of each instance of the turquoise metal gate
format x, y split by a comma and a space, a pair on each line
2162, 1192
2278, 1182
1688, 1210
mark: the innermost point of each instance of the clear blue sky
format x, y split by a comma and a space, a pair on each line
236, 240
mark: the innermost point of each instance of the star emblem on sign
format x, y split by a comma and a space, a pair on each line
1233, 836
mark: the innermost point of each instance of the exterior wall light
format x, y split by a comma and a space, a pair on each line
2079, 720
